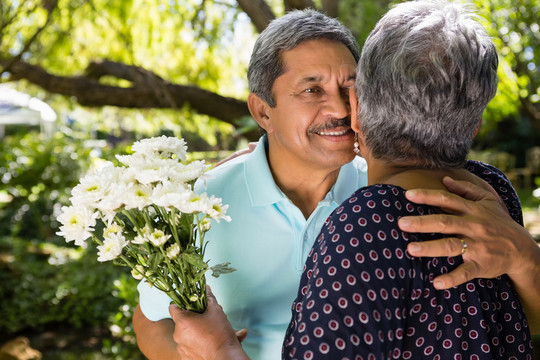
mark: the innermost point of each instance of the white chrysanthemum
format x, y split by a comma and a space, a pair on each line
216, 210
170, 195
184, 173
196, 203
112, 247
138, 272
161, 145
118, 179
205, 224
77, 224
159, 175
158, 237
137, 196
142, 237
112, 228
173, 251
90, 190
142, 161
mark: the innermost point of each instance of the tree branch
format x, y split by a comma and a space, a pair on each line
298, 4
258, 11
89, 92
50, 6
331, 7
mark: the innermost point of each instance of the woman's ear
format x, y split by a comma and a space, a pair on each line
259, 109
477, 128
353, 101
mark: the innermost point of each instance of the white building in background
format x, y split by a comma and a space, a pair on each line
17, 108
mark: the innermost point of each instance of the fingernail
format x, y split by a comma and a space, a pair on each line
404, 222
438, 284
411, 192
413, 248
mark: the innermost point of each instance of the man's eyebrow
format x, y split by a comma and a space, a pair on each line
313, 79
309, 79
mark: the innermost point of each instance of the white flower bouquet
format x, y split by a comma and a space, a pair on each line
149, 218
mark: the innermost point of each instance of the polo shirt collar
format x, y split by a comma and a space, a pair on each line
263, 190
261, 186
348, 181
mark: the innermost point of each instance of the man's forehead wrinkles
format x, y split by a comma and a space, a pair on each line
308, 79
314, 79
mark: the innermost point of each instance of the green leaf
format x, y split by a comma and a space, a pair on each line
220, 269
194, 260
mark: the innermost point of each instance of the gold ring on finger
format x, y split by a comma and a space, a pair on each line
464, 247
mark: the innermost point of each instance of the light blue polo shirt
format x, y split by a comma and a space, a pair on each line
267, 241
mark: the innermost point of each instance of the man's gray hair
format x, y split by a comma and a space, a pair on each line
425, 76
286, 33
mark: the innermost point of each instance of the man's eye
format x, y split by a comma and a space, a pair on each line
313, 90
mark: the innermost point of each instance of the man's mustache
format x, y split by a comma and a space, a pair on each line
332, 123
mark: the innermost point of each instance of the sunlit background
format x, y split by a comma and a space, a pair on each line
80, 80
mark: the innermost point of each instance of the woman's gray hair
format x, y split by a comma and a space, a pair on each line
286, 33
426, 74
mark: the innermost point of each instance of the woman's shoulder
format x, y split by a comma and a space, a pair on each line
500, 183
374, 208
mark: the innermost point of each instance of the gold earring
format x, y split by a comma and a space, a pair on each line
356, 145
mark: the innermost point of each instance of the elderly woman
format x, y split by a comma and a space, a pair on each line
426, 74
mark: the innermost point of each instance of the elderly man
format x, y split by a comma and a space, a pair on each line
279, 195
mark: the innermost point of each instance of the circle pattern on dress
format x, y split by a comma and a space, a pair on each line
375, 301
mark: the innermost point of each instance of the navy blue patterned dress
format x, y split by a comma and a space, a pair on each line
362, 296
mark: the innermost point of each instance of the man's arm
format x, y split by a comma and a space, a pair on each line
154, 338
496, 243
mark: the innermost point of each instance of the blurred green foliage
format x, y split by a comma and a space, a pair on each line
44, 285
36, 175
123, 346
44, 281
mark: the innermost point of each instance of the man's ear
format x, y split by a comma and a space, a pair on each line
353, 101
259, 109
477, 128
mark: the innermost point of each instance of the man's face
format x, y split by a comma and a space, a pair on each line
310, 124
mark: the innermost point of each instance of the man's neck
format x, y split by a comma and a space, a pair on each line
303, 184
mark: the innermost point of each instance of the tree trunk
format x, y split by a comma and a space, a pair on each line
298, 4
258, 11
331, 7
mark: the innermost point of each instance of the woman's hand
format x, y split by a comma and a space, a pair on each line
496, 244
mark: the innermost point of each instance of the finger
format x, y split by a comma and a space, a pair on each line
440, 198
435, 248
241, 334
465, 189
462, 274
209, 294
471, 191
440, 223
176, 312
211, 299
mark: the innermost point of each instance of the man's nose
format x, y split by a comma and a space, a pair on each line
337, 105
